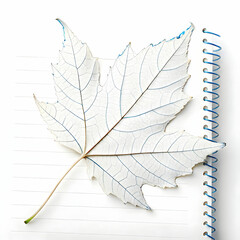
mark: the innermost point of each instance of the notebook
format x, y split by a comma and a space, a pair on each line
79, 209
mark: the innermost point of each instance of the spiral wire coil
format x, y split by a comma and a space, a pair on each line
213, 82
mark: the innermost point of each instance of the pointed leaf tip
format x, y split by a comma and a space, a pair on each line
63, 26
192, 26
60, 21
148, 208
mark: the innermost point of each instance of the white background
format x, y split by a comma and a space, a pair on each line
103, 22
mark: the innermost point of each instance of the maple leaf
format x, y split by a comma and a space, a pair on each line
119, 128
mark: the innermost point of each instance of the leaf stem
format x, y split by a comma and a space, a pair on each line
40, 208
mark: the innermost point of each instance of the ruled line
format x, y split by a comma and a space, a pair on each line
88, 206
33, 70
100, 234
94, 193
103, 220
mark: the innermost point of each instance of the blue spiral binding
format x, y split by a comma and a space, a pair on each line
214, 125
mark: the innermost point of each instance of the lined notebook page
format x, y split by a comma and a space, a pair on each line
79, 209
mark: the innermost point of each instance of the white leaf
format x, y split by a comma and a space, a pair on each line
119, 128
